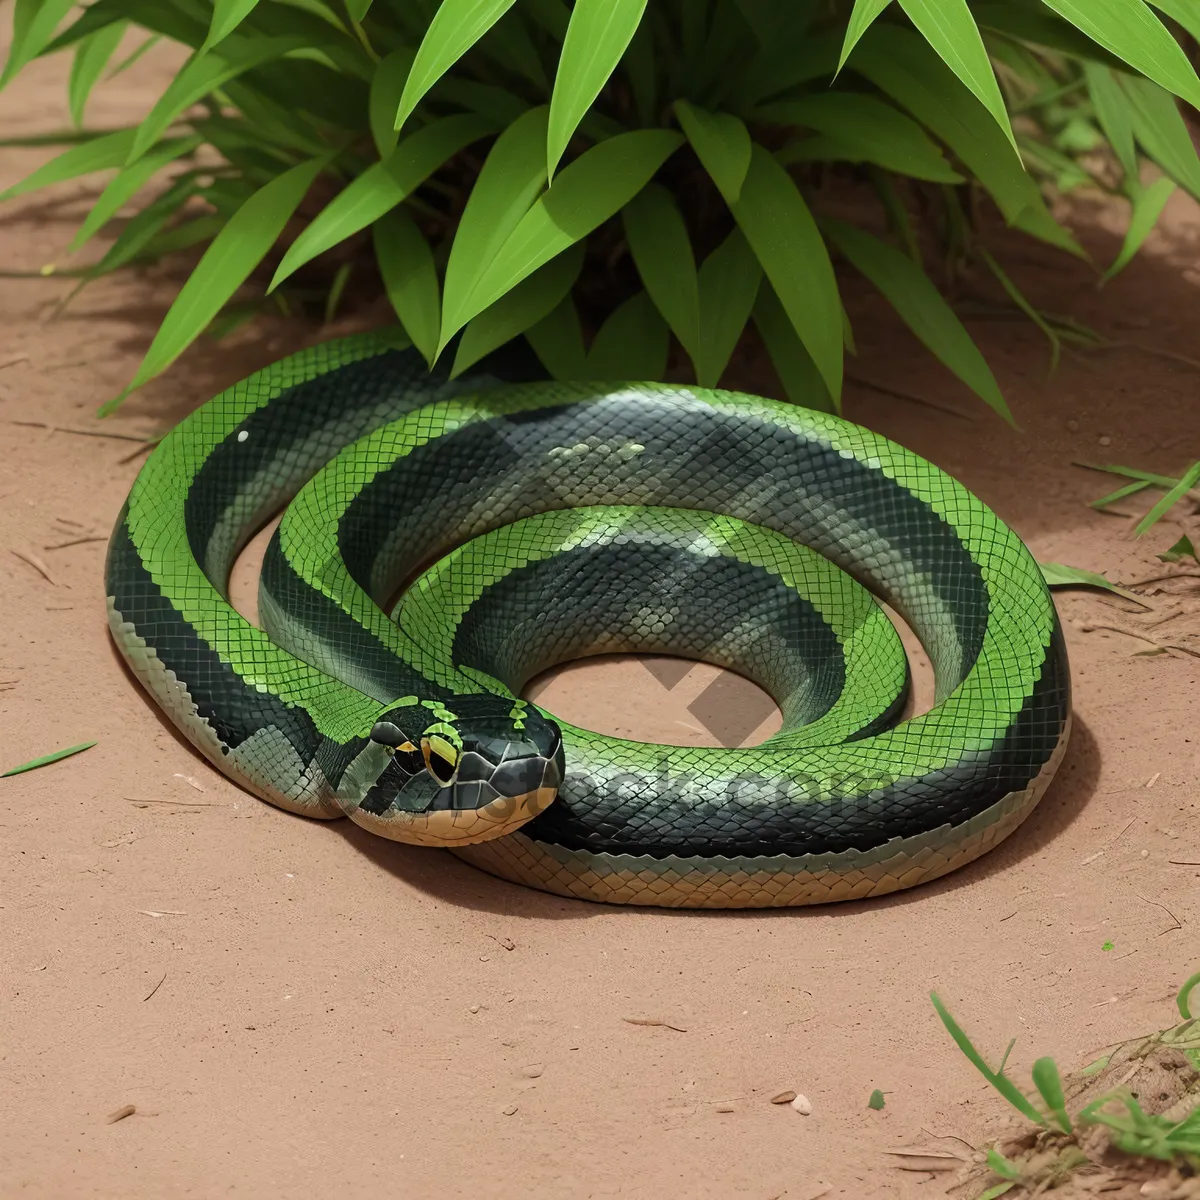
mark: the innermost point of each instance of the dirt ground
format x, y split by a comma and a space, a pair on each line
296, 1009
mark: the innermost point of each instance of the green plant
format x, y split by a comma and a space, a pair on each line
690, 144
1171, 1136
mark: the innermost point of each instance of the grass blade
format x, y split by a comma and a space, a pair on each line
381, 187
631, 345
531, 301
729, 281
1059, 575
98, 154
512, 178
225, 266
34, 23
721, 142
91, 57
949, 27
1015, 295
1184, 11
1159, 127
1147, 208
1049, 1085
781, 231
913, 295
1130, 30
455, 28
597, 37
598, 184
865, 12
1181, 489
46, 759
227, 16
386, 86
658, 240
410, 278
792, 362
1113, 111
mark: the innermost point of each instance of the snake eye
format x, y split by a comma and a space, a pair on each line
441, 759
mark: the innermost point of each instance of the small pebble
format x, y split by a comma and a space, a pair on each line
533, 1070
1106, 441
802, 1105
784, 1097
726, 1108
509, 1109
474, 1008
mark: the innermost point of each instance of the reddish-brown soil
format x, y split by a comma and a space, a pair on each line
297, 1009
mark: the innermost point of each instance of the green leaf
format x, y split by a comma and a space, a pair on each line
1131, 31
127, 182
357, 9
99, 154
46, 759
1185, 12
780, 229
949, 28
91, 57
598, 184
1182, 549
513, 176
1059, 575
1015, 295
792, 362
632, 345
721, 142
1161, 130
409, 277
533, 299
1160, 510
142, 228
456, 27
658, 240
1113, 111
34, 23
227, 16
865, 12
558, 342
225, 266
1049, 1085
386, 86
872, 129
998, 1190
1002, 1166
902, 66
1147, 208
598, 35
203, 74
381, 187
913, 295
876, 1101
729, 282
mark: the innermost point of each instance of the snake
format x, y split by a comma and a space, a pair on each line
445, 539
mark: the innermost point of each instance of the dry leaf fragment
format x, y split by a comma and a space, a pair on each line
784, 1097
126, 1110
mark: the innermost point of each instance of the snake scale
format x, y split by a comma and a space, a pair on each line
445, 540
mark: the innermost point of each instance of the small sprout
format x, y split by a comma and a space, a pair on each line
876, 1101
1182, 549
1107, 946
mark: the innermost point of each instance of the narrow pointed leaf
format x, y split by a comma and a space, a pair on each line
127, 182
921, 306
1186, 12
386, 87
597, 185
99, 154
1018, 298
456, 27
1130, 30
91, 57
658, 240
409, 277
1115, 115
512, 178
1161, 130
721, 142
1147, 208
203, 74
729, 282
780, 229
1060, 575
381, 187
34, 23
557, 340
1173, 496
865, 12
227, 16
225, 266
632, 345
357, 9
46, 759
874, 130
1049, 1085
597, 37
947, 25
531, 301
792, 362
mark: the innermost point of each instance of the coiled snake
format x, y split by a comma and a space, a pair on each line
526, 523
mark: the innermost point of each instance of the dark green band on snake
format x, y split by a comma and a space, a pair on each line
534, 523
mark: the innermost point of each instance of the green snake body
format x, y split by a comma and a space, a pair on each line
508, 526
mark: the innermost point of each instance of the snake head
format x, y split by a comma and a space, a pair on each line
453, 773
